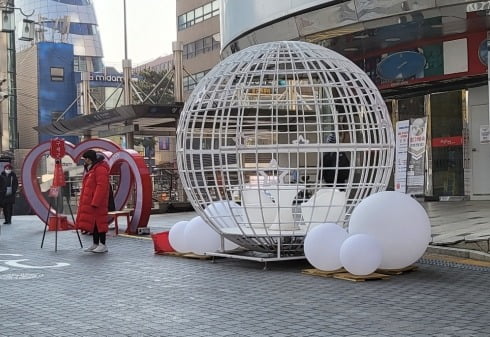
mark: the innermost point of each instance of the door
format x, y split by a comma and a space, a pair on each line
480, 154
446, 110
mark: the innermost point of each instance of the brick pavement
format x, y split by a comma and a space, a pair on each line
132, 292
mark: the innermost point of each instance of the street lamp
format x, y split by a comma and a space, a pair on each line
28, 31
127, 83
8, 22
8, 26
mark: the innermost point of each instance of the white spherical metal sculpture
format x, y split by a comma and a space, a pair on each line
295, 133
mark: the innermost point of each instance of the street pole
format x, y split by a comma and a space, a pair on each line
85, 76
12, 87
127, 83
178, 49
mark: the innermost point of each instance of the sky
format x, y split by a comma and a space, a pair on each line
151, 29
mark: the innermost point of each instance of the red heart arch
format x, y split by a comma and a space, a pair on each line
129, 163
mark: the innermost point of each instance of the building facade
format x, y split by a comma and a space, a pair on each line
66, 21
198, 28
160, 64
428, 58
66, 43
50, 97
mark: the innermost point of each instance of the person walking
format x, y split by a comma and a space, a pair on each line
92, 210
9, 189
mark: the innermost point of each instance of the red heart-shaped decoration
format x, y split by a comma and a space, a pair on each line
127, 163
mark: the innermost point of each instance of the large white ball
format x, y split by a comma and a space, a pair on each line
322, 246
361, 254
225, 213
200, 237
176, 237
400, 224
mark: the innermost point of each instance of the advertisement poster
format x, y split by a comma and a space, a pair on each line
401, 154
484, 134
416, 155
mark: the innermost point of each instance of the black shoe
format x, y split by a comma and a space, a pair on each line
7, 223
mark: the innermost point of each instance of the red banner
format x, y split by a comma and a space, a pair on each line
57, 149
59, 176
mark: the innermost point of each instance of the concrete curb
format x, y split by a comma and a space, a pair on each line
459, 252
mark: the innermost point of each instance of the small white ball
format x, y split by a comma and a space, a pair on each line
398, 222
176, 237
361, 254
322, 246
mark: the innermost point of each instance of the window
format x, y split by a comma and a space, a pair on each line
75, 2
191, 48
181, 21
190, 18
77, 28
208, 44
200, 46
208, 11
80, 63
197, 15
215, 7
190, 82
57, 74
216, 44
97, 64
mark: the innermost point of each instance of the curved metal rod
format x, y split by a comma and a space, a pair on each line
22, 12
20, 9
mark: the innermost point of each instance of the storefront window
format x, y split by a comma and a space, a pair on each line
447, 143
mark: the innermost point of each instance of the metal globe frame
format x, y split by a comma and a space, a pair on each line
253, 135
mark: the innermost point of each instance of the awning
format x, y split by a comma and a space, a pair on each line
146, 120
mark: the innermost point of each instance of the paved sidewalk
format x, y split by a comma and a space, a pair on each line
454, 221
132, 292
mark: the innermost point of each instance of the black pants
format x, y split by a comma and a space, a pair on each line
8, 210
98, 237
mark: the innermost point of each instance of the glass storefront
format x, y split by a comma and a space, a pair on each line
444, 174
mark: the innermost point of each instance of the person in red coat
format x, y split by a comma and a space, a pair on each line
92, 209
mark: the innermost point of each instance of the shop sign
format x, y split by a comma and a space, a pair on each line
447, 141
105, 77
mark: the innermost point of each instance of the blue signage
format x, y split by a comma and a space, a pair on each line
401, 65
483, 52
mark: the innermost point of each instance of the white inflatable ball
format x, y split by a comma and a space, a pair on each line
200, 237
322, 246
176, 237
361, 254
398, 222
225, 213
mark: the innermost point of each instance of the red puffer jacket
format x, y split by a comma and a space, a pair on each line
92, 208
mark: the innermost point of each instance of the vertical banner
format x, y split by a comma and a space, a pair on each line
401, 154
484, 134
416, 155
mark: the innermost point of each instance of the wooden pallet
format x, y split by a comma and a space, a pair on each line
361, 278
186, 255
323, 273
397, 271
